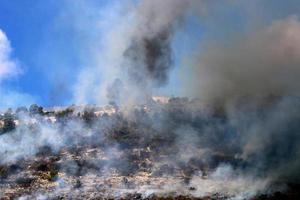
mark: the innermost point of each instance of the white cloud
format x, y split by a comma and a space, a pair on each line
8, 66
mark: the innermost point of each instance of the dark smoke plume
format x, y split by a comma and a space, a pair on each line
149, 59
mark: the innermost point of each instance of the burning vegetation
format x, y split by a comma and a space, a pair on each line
178, 149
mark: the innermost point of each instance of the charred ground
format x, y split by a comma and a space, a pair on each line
181, 149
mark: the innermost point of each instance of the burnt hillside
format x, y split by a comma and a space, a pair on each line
172, 149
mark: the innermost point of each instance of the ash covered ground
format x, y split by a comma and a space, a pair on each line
167, 149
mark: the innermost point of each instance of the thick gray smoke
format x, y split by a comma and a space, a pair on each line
149, 54
248, 77
258, 64
148, 58
245, 76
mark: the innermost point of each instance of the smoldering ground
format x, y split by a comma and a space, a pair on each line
178, 148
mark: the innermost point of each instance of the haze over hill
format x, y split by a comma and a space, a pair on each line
233, 132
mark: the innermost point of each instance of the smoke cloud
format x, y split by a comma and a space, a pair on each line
149, 54
258, 64
148, 57
253, 65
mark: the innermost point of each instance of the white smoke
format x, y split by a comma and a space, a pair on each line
125, 27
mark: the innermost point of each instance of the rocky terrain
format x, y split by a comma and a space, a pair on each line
152, 151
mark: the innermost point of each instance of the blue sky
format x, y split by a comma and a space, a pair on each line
30, 27
46, 47
55, 42
51, 41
